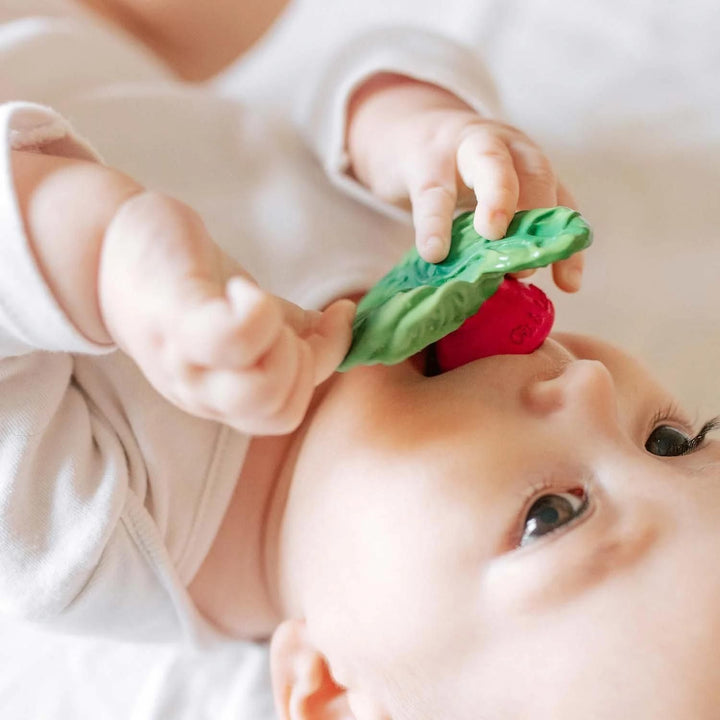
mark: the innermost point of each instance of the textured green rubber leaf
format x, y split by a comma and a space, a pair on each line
418, 302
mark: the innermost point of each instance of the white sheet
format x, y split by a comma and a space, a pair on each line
624, 95
48, 677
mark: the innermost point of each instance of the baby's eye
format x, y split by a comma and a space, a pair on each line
551, 512
667, 441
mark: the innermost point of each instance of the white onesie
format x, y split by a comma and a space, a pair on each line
110, 497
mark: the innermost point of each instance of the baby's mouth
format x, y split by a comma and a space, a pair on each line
516, 320
425, 362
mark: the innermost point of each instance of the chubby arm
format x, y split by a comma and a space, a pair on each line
138, 269
66, 206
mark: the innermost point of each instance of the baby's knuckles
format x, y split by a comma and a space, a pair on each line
260, 323
541, 171
437, 133
421, 138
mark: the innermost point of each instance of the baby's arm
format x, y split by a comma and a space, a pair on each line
138, 269
79, 550
66, 205
412, 117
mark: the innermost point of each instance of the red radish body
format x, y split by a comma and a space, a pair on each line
514, 321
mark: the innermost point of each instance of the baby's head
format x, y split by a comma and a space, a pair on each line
517, 538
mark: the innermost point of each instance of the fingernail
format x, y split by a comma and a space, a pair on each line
499, 222
434, 249
349, 308
494, 226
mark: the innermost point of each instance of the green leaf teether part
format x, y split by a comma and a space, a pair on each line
418, 302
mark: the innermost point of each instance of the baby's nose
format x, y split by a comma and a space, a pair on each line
582, 387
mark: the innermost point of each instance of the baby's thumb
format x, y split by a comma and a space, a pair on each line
328, 333
330, 337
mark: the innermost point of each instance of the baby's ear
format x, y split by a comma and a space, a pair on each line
303, 686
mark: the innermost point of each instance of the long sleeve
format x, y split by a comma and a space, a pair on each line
47, 449
412, 52
30, 318
79, 549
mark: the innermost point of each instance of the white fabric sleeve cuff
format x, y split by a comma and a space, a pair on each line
415, 53
30, 316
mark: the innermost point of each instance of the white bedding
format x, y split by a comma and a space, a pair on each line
48, 677
624, 95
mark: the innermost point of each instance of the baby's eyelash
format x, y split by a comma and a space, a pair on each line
672, 413
532, 491
709, 426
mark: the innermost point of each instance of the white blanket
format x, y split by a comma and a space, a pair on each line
49, 677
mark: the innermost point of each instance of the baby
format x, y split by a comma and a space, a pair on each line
525, 535
396, 582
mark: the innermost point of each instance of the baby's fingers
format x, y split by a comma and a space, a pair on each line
272, 396
269, 398
567, 274
486, 166
433, 195
328, 334
331, 338
230, 331
538, 184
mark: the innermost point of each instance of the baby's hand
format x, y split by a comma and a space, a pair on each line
410, 142
203, 333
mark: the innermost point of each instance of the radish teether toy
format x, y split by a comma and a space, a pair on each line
418, 303
514, 321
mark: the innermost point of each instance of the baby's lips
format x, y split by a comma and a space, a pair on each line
514, 321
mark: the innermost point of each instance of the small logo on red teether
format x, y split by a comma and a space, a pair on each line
513, 321
520, 334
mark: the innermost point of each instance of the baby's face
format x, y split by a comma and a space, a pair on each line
504, 545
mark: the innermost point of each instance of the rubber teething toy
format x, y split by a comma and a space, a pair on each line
514, 321
417, 302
